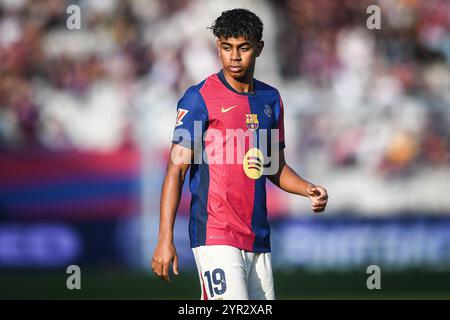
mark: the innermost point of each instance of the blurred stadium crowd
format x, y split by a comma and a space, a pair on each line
397, 76
360, 104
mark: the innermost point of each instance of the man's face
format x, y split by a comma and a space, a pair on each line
238, 55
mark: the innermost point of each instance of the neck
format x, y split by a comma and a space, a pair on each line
244, 84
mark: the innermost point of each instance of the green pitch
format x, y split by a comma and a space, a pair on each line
297, 284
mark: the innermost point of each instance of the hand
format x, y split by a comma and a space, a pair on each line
164, 254
318, 196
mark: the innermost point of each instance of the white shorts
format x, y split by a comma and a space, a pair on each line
229, 273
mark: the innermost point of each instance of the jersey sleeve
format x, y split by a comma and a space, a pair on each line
279, 116
191, 119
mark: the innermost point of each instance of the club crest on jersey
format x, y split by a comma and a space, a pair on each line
180, 115
251, 120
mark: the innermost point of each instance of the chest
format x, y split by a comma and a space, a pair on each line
246, 113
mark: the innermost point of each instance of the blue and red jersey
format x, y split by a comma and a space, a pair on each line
228, 205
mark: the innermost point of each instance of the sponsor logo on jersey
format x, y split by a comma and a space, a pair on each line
268, 110
253, 163
180, 115
228, 109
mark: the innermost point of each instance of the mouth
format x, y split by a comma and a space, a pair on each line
235, 69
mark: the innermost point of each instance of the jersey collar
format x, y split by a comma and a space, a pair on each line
226, 84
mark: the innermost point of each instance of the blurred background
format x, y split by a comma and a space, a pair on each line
86, 118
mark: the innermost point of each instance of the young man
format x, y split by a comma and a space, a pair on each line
228, 228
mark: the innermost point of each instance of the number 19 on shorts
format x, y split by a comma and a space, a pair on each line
216, 282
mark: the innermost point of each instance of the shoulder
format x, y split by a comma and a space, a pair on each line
193, 92
266, 87
192, 97
198, 91
193, 103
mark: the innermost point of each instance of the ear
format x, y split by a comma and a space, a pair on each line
218, 47
259, 47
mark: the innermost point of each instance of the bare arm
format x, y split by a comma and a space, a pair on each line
165, 251
288, 180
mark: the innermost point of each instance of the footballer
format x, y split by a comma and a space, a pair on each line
228, 228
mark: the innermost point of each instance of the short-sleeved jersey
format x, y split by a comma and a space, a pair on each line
228, 205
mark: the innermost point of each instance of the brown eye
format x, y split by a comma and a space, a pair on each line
245, 48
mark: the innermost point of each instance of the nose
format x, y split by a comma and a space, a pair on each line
235, 55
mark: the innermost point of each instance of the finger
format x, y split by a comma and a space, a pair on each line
157, 269
317, 200
311, 191
322, 193
319, 203
175, 265
323, 196
165, 272
319, 209
318, 206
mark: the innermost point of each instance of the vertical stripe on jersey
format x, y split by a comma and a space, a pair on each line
202, 210
199, 204
228, 209
259, 222
199, 177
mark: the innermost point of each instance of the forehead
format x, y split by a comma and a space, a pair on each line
236, 41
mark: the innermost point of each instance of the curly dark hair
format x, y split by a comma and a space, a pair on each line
238, 22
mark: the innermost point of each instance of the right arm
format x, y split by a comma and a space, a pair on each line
165, 251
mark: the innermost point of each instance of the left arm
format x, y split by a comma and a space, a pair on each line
288, 180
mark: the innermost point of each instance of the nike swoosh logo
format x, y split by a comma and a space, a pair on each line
228, 109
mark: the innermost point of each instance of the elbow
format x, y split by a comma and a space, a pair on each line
177, 171
275, 178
